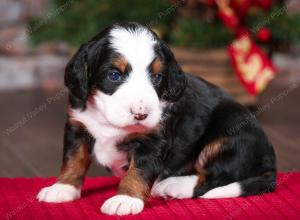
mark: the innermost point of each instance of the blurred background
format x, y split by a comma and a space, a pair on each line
250, 48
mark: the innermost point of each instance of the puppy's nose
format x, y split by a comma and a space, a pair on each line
140, 117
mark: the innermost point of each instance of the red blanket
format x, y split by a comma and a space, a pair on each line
17, 201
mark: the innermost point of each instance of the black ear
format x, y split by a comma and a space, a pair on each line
176, 79
77, 75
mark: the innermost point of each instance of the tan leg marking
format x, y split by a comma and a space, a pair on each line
133, 183
75, 167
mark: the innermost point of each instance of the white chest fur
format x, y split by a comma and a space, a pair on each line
106, 137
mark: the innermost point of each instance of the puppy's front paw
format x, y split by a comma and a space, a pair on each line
58, 192
122, 205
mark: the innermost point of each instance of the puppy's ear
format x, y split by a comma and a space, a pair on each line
176, 79
77, 74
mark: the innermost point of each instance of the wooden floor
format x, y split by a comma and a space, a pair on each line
32, 129
279, 113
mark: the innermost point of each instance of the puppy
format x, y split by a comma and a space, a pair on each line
166, 133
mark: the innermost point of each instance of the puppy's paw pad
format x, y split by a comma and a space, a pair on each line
58, 192
122, 205
175, 187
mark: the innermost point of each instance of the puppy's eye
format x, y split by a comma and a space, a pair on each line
156, 79
114, 76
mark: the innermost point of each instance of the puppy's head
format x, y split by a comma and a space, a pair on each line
128, 72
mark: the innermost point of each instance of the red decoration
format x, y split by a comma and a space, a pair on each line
264, 35
252, 66
229, 18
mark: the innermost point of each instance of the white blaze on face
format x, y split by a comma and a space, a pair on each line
137, 94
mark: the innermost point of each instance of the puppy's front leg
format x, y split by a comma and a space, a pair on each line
133, 191
76, 161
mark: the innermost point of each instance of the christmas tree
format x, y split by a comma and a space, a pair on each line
180, 23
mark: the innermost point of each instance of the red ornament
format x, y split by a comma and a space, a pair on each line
264, 34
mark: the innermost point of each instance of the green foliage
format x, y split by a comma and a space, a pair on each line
285, 28
199, 34
76, 21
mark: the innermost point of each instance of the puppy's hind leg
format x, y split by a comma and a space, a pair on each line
194, 185
251, 186
76, 160
183, 187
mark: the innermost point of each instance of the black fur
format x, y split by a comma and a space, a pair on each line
198, 113
77, 75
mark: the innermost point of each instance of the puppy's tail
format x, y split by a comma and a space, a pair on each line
251, 186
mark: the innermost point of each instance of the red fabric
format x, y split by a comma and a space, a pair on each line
17, 201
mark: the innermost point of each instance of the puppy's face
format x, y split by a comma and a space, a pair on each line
128, 73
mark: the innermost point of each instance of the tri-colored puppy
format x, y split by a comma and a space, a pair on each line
166, 133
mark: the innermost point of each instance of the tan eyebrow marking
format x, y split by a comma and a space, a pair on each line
156, 66
120, 63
